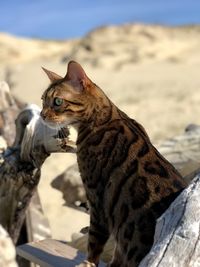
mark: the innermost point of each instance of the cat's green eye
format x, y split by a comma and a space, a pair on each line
58, 101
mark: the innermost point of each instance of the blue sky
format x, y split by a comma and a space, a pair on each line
61, 19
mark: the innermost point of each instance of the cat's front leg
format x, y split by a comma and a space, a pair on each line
97, 237
117, 260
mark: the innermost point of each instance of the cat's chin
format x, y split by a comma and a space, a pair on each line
53, 125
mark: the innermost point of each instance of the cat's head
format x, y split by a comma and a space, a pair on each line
69, 100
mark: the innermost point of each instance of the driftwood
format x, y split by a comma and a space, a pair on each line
183, 151
9, 110
52, 253
177, 236
37, 224
7, 250
21, 162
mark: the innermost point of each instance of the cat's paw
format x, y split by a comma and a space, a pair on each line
86, 264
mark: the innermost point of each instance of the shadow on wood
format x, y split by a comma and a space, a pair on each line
53, 253
7, 250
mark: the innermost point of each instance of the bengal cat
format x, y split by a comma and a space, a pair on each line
128, 183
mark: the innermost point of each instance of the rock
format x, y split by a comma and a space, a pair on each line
70, 184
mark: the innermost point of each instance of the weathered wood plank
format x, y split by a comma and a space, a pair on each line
37, 224
183, 151
8, 113
7, 250
52, 253
177, 236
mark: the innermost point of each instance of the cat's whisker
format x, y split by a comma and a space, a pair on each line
44, 132
63, 132
58, 130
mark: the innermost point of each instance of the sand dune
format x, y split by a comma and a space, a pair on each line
114, 46
17, 49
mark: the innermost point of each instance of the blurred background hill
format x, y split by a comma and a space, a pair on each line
144, 54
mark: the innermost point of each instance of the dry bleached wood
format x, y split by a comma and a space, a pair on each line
7, 250
21, 163
8, 112
37, 225
183, 151
177, 236
52, 253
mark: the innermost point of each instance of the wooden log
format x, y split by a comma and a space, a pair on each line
183, 151
177, 236
52, 253
9, 111
37, 225
21, 162
7, 250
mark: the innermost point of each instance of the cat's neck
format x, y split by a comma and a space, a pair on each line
101, 116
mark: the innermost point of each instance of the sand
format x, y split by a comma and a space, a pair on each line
150, 72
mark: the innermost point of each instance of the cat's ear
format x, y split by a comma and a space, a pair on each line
52, 75
77, 76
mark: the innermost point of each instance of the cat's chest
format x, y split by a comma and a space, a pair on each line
91, 161
99, 147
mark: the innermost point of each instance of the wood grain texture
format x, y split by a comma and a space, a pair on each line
7, 250
183, 151
52, 253
177, 236
36, 223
